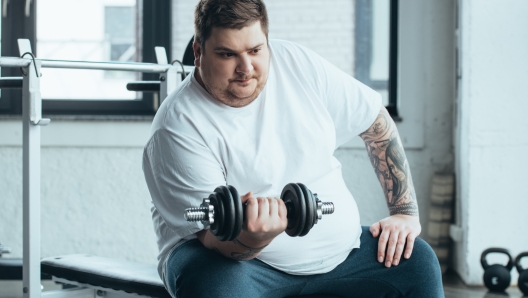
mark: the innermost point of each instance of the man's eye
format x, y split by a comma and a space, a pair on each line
226, 55
256, 51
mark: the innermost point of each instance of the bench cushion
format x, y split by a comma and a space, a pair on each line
11, 269
108, 273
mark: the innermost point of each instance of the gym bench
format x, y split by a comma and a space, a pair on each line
97, 277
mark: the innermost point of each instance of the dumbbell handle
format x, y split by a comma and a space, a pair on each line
203, 213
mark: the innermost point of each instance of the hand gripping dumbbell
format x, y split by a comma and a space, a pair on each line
223, 213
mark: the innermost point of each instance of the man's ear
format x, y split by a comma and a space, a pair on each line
197, 49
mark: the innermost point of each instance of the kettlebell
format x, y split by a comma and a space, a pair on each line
496, 277
523, 273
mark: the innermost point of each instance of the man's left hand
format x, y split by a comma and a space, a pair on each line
395, 232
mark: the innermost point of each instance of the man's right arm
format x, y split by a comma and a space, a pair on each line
266, 218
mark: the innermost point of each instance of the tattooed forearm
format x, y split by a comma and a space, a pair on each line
390, 164
248, 251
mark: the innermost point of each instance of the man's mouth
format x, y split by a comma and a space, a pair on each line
243, 80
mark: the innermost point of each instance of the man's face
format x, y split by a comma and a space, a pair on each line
396, 172
234, 65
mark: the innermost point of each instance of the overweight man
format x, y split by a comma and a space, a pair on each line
259, 114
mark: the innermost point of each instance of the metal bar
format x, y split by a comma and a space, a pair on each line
14, 62
139, 67
31, 188
70, 293
143, 86
11, 82
122, 66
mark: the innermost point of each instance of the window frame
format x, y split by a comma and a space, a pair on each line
155, 23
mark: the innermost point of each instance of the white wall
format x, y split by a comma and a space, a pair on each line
492, 132
94, 196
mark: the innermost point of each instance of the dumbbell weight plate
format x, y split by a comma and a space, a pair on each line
217, 228
310, 209
239, 213
294, 199
229, 209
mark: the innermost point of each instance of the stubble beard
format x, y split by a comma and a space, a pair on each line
228, 97
233, 100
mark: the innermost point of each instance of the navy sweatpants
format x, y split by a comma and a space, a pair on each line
195, 271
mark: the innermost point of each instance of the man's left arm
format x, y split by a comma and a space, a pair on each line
400, 229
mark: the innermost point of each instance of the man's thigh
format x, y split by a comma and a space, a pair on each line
195, 271
361, 275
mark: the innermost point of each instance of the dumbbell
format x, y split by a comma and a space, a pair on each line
523, 273
223, 213
496, 277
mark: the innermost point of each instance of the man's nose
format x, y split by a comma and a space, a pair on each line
245, 65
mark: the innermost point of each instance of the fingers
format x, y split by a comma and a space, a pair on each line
391, 248
283, 213
264, 210
273, 207
392, 244
375, 229
252, 208
410, 245
397, 236
400, 244
245, 197
382, 244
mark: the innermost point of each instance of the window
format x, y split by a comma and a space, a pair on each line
88, 30
376, 32
119, 24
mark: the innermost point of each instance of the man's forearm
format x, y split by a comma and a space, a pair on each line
240, 249
390, 164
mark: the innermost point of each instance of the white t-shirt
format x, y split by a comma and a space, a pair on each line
288, 134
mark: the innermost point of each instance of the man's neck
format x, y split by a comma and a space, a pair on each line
198, 78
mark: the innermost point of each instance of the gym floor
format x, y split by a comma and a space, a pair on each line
453, 287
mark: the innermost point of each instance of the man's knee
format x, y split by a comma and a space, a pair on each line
424, 263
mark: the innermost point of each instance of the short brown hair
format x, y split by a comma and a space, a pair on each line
233, 14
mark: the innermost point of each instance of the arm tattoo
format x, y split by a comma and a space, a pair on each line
390, 164
250, 251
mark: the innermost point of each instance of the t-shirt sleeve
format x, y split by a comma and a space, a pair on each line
180, 171
352, 105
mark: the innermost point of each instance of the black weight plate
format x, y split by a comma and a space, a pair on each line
217, 228
310, 209
293, 197
239, 214
229, 209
